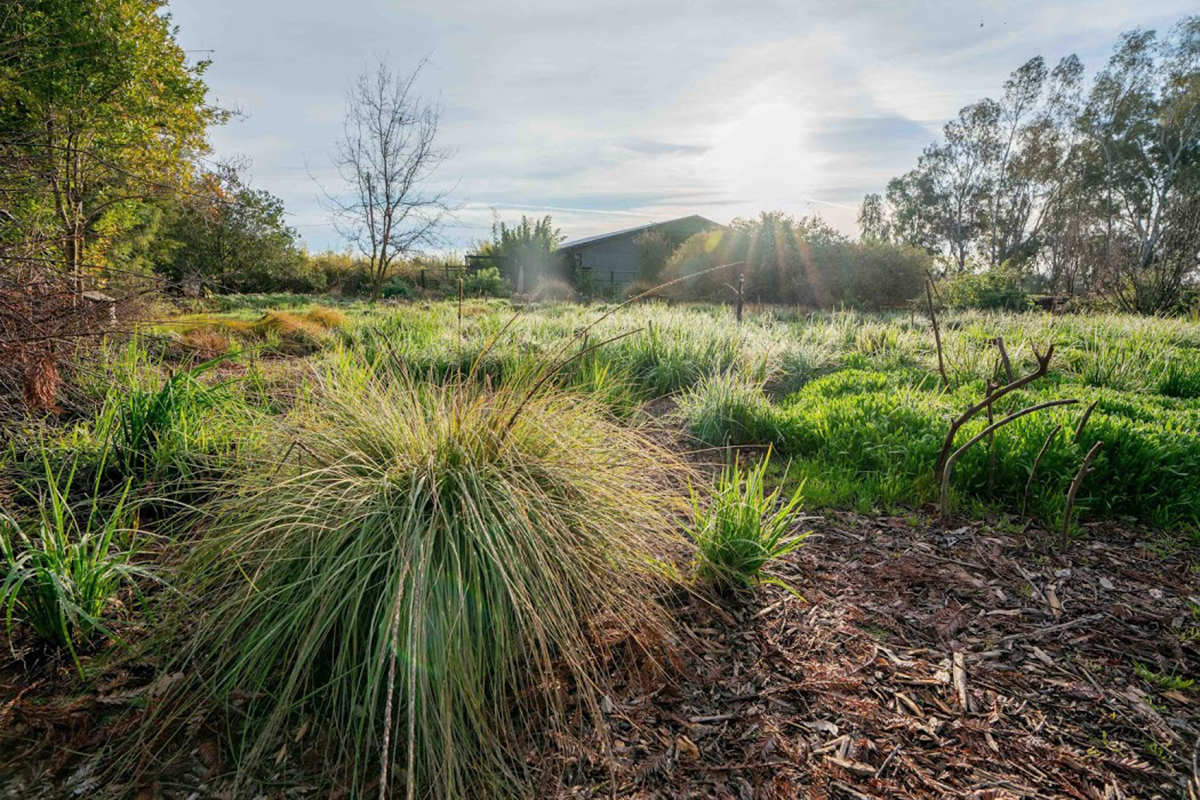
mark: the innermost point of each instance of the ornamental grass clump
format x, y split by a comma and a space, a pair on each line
743, 528
433, 581
63, 570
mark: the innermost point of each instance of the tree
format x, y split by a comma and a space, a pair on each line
529, 248
226, 236
654, 246
1091, 188
873, 221
386, 157
99, 111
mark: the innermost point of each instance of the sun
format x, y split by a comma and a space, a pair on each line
762, 155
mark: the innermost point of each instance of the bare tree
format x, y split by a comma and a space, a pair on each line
386, 156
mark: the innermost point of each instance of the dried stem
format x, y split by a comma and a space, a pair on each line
937, 333
1084, 469
981, 435
1043, 366
1087, 414
1033, 472
1008, 372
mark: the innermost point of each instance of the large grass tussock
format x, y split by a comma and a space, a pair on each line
435, 574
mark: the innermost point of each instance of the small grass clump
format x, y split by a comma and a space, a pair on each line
729, 409
1181, 379
743, 528
64, 569
447, 555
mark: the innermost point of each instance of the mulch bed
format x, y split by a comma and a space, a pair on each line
922, 660
928, 661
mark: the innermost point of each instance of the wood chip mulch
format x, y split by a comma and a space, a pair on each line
922, 660
927, 661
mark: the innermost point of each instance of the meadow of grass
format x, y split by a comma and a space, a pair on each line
417, 521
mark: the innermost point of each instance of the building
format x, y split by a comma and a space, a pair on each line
612, 258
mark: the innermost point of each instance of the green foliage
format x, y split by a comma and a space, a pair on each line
396, 287
1162, 680
801, 262
654, 248
63, 569
226, 237
436, 565
150, 428
90, 137
486, 282
742, 528
528, 250
999, 289
1181, 378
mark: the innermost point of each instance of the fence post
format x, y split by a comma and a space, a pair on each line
741, 294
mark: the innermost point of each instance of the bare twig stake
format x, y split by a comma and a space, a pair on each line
1033, 472
1075, 484
1084, 420
985, 432
1043, 362
741, 295
1008, 373
991, 473
937, 333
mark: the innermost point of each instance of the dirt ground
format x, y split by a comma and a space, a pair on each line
915, 659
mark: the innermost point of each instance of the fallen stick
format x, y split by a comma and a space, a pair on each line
960, 681
1014, 637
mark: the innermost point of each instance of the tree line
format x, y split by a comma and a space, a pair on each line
1092, 188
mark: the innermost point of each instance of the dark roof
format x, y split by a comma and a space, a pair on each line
626, 231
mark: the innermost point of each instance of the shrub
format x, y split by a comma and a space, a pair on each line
396, 287
742, 529
62, 577
994, 290
486, 282
441, 564
553, 290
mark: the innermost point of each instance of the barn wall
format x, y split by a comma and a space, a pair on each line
615, 258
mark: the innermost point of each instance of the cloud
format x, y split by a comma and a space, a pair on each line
611, 113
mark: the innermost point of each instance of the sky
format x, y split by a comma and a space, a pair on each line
615, 113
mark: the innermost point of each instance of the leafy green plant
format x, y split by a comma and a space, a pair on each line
486, 282
396, 287
1180, 379
441, 561
742, 528
148, 426
1162, 680
64, 568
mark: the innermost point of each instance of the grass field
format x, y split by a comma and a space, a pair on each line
854, 401
428, 513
